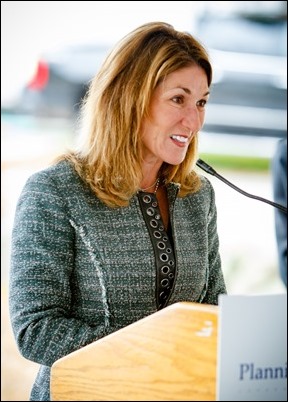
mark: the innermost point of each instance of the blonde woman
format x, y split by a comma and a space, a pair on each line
122, 225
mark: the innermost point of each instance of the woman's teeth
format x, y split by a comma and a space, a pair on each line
179, 138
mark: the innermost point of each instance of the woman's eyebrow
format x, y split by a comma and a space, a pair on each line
187, 90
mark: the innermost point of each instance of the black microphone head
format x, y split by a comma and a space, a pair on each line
204, 166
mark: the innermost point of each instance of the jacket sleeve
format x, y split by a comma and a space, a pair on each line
216, 283
279, 175
41, 265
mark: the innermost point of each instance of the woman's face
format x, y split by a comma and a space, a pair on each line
177, 113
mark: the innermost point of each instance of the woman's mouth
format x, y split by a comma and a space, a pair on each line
180, 140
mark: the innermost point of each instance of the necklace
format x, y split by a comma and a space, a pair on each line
156, 184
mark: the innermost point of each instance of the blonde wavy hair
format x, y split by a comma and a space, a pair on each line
108, 155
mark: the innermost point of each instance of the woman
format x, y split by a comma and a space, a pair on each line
123, 225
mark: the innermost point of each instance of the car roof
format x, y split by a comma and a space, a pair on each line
76, 63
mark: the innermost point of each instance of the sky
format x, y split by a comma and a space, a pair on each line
28, 28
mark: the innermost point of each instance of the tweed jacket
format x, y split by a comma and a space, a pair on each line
81, 270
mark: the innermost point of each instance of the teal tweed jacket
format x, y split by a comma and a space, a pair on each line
81, 270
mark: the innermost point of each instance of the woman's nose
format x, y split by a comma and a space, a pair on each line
193, 119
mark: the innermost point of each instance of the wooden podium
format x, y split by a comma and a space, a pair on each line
168, 356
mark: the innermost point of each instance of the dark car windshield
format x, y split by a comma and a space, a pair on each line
244, 35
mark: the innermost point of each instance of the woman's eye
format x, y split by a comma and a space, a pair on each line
202, 103
178, 99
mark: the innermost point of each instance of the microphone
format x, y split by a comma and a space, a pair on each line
208, 169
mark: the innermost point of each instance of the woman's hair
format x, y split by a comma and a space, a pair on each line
109, 153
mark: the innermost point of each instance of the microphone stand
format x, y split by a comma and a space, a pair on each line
208, 169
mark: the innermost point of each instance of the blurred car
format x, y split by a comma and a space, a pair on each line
249, 90
249, 57
60, 81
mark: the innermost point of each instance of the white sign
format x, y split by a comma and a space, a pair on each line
252, 348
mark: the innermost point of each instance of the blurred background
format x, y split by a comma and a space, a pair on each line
51, 49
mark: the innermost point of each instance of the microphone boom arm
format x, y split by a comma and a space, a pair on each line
208, 169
